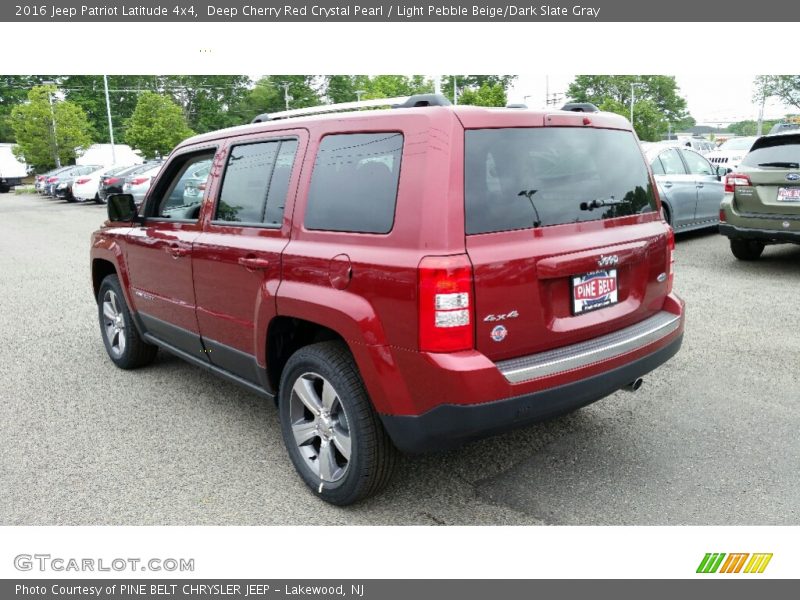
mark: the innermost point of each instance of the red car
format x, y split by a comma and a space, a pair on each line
398, 279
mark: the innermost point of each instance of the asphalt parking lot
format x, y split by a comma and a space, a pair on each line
710, 439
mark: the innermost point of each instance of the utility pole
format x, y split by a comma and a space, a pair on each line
455, 91
437, 84
110, 125
760, 129
359, 93
286, 96
633, 97
53, 125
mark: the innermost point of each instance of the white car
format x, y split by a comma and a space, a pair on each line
137, 185
731, 153
85, 186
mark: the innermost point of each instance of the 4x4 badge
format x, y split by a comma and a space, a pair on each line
492, 318
608, 261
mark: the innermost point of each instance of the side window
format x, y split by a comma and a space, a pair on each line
256, 182
354, 183
697, 164
672, 163
183, 194
658, 168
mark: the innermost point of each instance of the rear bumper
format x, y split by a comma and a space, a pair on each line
764, 235
449, 425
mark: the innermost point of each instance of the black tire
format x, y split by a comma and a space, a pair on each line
747, 249
372, 456
133, 352
4, 189
667, 214
97, 199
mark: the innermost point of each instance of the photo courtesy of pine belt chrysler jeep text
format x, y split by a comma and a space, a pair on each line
409, 278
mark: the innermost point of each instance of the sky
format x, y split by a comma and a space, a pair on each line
712, 99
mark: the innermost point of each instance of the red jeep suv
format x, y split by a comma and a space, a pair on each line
408, 279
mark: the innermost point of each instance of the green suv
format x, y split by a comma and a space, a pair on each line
762, 198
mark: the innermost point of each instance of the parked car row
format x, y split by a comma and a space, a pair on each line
81, 183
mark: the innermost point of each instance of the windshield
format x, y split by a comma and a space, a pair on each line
537, 177
738, 144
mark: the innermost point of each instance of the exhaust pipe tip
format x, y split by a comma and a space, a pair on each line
634, 385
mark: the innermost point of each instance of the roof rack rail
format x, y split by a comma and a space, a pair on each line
516, 105
580, 107
397, 102
418, 100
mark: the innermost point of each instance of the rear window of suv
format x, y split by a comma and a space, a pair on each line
777, 151
536, 177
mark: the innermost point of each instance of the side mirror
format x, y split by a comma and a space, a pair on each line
121, 208
722, 171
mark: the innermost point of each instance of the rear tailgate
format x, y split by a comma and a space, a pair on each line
773, 166
563, 234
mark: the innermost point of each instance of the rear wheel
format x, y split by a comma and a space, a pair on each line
124, 346
333, 435
747, 249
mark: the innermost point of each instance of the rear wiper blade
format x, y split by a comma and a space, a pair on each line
785, 165
599, 202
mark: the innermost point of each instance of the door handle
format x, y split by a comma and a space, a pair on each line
667, 184
700, 185
177, 250
253, 263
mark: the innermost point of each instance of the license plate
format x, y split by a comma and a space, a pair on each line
593, 291
789, 194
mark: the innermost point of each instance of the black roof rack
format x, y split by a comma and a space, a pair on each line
263, 117
424, 100
580, 107
516, 105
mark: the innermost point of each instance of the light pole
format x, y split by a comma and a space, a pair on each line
110, 125
286, 96
633, 96
359, 93
53, 124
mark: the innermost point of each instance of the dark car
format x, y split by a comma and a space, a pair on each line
63, 188
113, 183
404, 279
41, 181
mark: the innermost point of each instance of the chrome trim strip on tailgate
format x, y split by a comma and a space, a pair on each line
517, 370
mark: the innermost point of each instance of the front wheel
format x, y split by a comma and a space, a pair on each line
124, 346
333, 435
747, 249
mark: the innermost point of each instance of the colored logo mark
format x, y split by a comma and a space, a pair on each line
719, 562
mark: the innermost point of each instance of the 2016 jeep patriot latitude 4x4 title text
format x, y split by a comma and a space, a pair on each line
408, 278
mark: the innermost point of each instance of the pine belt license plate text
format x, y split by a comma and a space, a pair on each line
593, 291
790, 194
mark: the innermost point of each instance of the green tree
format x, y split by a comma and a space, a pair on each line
268, 96
486, 95
465, 83
785, 88
206, 99
749, 127
157, 125
13, 91
657, 101
38, 140
343, 88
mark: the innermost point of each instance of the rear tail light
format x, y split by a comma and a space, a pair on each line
139, 180
736, 179
671, 253
722, 215
52, 179
82, 181
112, 181
201, 187
445, 304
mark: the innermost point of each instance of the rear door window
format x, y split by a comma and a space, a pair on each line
672, 163
256, 182
354, 183
536, 177
697, 164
